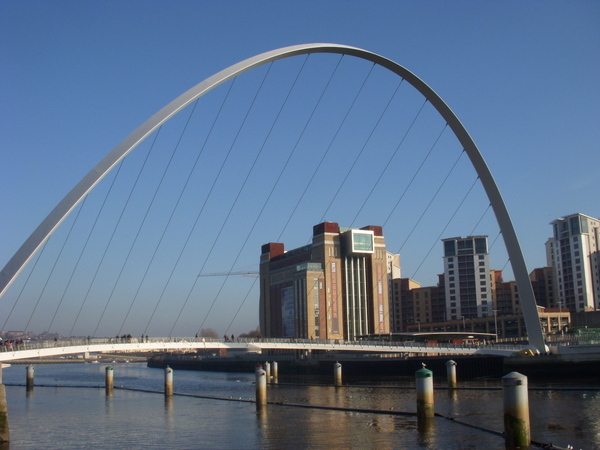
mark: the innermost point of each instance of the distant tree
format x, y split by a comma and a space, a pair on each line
251, 333
209, 333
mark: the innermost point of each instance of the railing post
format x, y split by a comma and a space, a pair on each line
109, 381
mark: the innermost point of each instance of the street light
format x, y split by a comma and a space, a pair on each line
464, 325
496, 323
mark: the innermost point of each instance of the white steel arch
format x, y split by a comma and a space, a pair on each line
60, 212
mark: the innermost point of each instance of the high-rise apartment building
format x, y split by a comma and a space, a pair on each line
574, 253
334, 288
544, 287
467, 278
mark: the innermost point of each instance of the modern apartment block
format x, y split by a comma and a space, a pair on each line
574, 253
415, 304
467, 278
334, 288
544, 287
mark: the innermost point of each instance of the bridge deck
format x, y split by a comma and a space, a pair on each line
73, 346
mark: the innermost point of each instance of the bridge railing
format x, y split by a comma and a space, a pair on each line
11, 346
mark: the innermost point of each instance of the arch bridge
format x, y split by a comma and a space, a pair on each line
59, 213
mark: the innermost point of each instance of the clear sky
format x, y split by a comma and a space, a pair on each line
523, 77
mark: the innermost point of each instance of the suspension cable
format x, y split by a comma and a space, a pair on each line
87, 240
329, 147
431, 201
158, 187
114, 232
40, 253
389, 162
309, 120
445, 226
200, 211
60, 252
250, 108
415, 175
480, 219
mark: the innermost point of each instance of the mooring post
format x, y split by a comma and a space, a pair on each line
267, 368
275, 369
424, 382
168, 382
516, 411
109, 379
4, 431
29, 382
261, 386
451, 374
337, 374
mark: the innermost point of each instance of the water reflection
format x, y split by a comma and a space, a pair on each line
71, 417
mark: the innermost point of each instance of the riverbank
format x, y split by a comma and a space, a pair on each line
543, 367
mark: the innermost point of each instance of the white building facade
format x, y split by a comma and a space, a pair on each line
574, 253
467, 278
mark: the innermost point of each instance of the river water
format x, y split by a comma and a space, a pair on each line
68, 409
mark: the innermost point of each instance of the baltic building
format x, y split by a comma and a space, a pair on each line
334, 288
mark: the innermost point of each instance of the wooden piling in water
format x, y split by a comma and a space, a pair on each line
337, 374
4, 430
109, 381
424, 382
261, 387
451, 374
30, 374
168, 382
516, 411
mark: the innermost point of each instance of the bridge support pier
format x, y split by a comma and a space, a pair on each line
516, 411
261, 387
337, 374
29, 380
451, 374
109, 379
4, 431
168, 382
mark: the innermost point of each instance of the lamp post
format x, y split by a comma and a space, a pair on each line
419, 325
496, 323
464, 324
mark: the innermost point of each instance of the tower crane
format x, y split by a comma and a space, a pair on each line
247, 273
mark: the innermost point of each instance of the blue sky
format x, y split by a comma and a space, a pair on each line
78, 77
